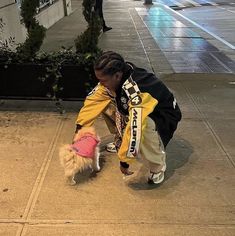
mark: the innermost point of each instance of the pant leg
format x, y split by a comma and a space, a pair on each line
109, 115
151, 147
110, 118
99, 10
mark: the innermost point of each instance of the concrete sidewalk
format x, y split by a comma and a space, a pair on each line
153, 36
197, 197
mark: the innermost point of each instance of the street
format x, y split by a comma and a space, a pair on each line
216, 17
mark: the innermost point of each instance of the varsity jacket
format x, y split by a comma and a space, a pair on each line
139, 95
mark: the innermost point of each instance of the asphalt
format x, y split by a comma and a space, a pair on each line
197, 196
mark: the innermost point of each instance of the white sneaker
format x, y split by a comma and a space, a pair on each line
110, 147
157, 178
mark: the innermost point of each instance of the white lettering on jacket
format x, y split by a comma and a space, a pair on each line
135, 131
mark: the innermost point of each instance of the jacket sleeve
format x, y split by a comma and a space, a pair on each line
139, 108
93, 106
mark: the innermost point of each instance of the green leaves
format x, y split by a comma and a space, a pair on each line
86, 53
88, 41
36, 32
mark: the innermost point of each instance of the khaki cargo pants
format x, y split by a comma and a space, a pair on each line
151, 147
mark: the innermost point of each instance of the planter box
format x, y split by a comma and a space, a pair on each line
76, 82
22, 81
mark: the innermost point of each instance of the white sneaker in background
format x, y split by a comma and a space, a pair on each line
157, 178
110, 147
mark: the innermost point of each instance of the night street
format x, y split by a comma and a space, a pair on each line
190, 46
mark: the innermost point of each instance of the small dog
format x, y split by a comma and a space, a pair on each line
81, 155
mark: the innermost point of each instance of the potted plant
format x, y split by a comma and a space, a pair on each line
25, 73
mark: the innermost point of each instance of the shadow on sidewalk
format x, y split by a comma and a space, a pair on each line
178, 153
89, 174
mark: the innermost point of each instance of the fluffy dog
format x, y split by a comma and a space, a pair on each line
81, 155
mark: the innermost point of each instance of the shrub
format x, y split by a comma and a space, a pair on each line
86, 47
35, 32
87, 42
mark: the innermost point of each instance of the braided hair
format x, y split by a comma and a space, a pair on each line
110, 62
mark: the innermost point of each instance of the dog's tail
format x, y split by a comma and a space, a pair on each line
71, 162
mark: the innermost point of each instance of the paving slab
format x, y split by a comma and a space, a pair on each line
225, 132
214, 98
188, 109
25, 140
215, 102
129, 229
8, 230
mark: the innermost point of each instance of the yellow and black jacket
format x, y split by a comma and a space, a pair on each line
140, 94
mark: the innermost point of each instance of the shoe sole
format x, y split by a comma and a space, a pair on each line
110, 150
151, 181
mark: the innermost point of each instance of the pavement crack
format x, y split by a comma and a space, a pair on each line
40, 179
210, 128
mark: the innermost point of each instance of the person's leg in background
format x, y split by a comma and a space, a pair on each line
152, 151
99, 10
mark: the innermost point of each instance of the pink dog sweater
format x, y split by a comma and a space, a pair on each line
85, 146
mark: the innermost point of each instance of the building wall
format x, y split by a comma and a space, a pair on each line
10, 14
50, 15
68, 7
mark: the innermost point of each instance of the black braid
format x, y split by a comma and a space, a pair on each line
110, 62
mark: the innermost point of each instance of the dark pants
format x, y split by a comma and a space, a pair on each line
99, 10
